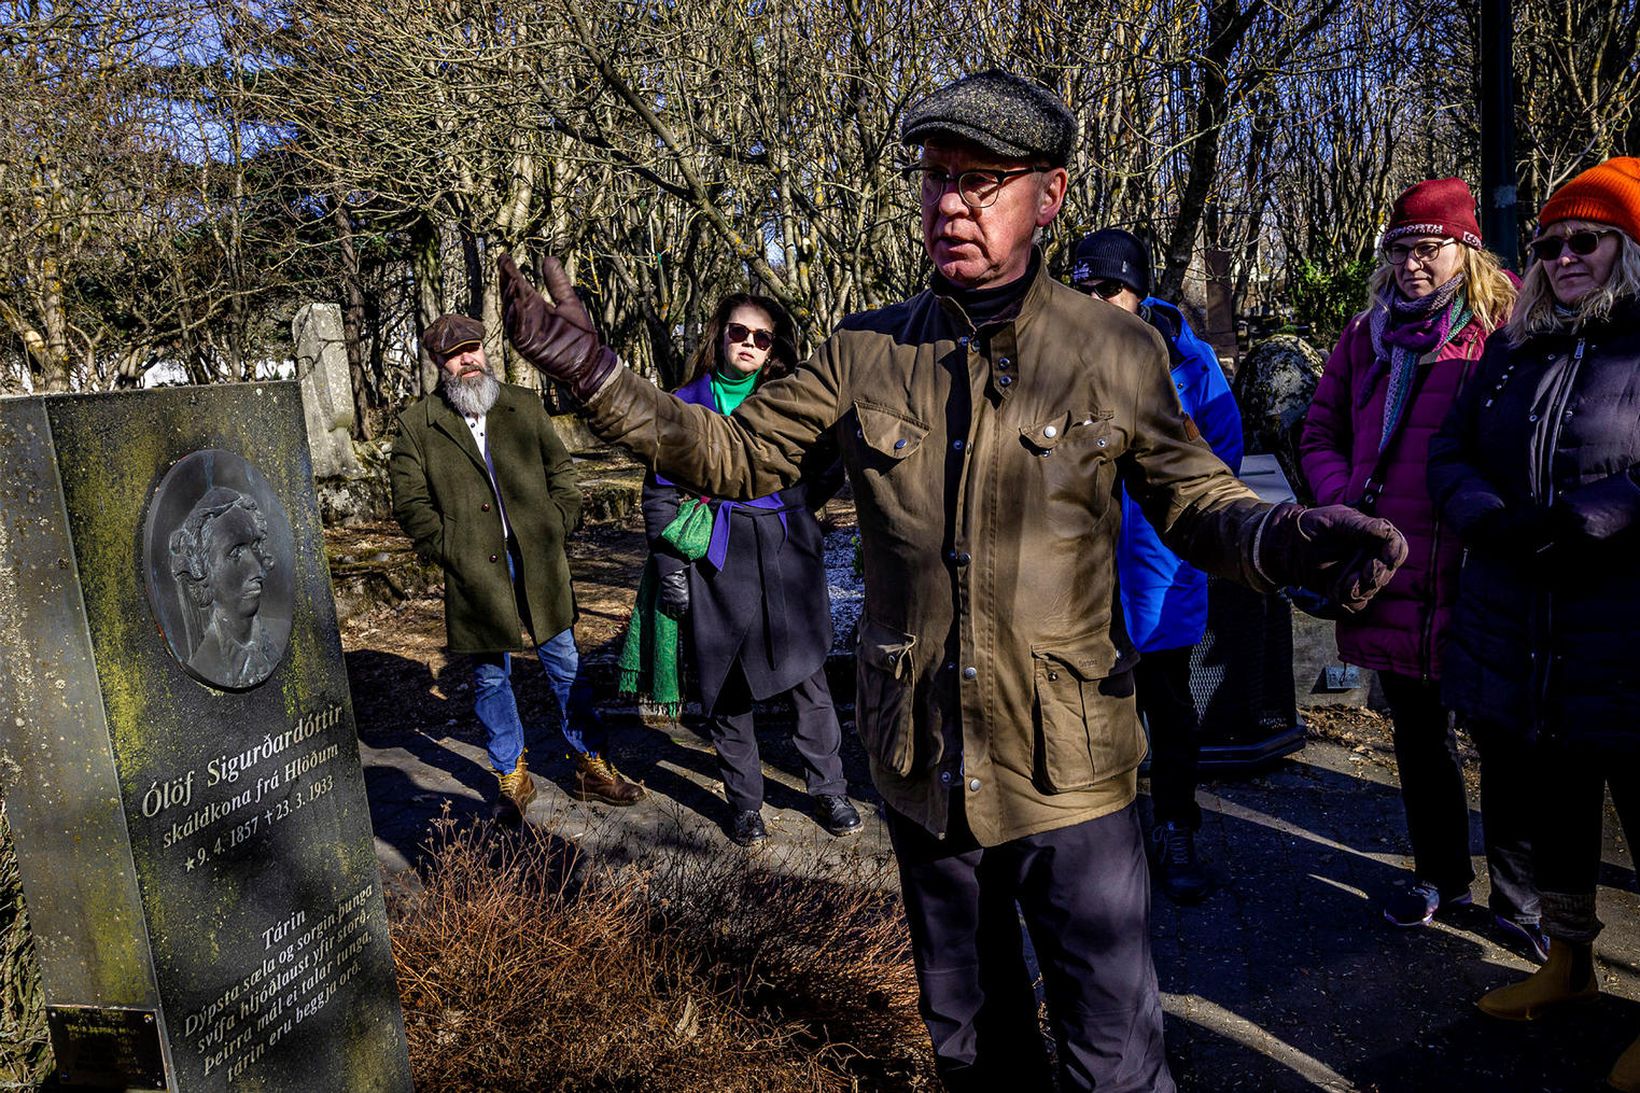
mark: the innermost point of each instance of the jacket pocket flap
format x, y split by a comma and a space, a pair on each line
893, 434
885, 648
1046, 434
1087, 659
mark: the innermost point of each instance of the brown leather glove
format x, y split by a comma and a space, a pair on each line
1334, 550
556, 337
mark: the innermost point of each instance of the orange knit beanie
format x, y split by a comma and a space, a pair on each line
1606, 194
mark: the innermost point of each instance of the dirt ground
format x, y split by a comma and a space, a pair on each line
1286, 979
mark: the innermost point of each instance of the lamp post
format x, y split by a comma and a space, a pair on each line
1500, 220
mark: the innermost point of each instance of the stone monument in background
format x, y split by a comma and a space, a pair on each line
186, 796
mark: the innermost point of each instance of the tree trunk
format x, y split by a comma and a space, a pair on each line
429, 277
353, 315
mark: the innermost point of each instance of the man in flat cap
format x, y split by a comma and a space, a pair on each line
486, 489
986, 425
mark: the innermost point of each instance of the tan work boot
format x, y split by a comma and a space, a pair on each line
1568, 976
596, 779
1625, 1075
518, 787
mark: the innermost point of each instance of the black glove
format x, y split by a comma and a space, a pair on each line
557, 337
672, 593
1334, 550
1601, 509
1516, 531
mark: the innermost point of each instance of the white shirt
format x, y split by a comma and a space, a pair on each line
476, 424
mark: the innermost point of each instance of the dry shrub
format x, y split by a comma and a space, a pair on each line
25, 1049
522, 968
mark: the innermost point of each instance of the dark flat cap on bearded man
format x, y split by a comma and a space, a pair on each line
449, 333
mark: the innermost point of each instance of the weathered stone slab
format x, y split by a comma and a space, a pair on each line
190, 816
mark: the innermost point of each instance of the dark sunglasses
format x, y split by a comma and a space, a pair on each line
738, 333
1546, 248
1105, 290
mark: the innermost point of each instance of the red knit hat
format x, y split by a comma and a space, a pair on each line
1607, 194
1440, 206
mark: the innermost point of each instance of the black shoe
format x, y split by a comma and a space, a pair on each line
836, 814
1526, 937
1173, 858
747, 828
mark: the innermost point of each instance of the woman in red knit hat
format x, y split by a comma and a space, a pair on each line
1435, 297
1538, 468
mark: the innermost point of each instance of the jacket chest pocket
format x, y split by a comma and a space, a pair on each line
1068, 449
880, 446
885, 682
1086, 729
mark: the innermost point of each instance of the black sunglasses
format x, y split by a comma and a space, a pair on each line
1105, 290
737, 333
1546, 248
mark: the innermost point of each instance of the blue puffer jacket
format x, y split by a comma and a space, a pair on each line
1164, 599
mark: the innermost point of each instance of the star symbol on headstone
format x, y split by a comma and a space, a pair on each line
188, 866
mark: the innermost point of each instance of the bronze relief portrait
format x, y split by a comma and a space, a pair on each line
218, 559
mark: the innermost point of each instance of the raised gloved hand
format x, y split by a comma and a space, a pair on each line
1334, 550
555, 336
672, 593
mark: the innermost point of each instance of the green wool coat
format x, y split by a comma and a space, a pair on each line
443, 501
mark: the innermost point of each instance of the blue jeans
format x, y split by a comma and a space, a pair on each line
497, 709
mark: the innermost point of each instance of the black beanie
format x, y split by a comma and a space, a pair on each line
1112, 254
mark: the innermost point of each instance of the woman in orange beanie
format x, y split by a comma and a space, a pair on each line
1538, 468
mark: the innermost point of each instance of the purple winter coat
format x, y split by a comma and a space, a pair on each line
1400, 630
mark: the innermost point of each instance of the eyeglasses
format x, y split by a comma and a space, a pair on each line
1397, 253
737, 333
1546, 248
1105, 290
978, 187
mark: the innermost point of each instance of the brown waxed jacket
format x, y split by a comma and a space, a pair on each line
992, 652
443, 500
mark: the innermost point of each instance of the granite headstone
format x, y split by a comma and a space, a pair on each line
190, 818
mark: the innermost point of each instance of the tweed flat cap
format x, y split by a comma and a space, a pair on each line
448, 333
998, 111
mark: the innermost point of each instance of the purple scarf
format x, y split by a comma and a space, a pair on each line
1404, 331
699, 393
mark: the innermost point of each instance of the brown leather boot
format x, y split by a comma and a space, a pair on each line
596, 779
518, 787
1567, 976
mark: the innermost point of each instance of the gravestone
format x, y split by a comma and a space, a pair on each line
186, 796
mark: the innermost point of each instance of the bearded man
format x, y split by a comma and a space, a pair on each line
486, 489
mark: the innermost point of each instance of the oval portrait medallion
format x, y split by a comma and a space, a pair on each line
217, 553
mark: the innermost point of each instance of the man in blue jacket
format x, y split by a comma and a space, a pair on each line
1164, 599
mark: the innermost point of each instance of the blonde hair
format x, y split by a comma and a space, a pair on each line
1538, 312
1490, 292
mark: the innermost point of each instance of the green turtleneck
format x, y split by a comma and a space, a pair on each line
731, 390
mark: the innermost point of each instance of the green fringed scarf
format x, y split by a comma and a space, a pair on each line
649, 658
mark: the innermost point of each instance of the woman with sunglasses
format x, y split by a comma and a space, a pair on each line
1432, 302
1538, 468
758, 616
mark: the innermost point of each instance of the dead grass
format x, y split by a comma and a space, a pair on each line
25, 1051
522, 967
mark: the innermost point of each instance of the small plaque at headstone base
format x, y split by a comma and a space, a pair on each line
1336, 678
106, 1047
189, 813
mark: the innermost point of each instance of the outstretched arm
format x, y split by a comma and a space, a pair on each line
756, 451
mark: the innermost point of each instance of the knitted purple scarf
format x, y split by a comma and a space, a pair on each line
1405, 330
